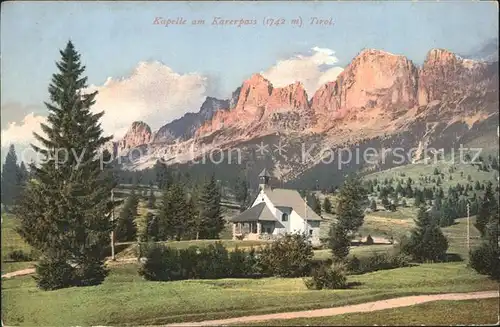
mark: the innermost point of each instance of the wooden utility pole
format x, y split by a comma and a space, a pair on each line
112, 223
468, 226
305, 217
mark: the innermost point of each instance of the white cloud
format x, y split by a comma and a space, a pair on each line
153, 93
308, 69
22, 133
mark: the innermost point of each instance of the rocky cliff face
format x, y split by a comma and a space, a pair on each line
374, 79
138, 134
185, 127
377, 94
445, 76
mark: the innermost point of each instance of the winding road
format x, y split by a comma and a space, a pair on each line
364, 307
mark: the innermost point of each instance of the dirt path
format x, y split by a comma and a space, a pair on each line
29, 271
22, 272
364, 307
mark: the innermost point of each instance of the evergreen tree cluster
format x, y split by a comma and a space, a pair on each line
14, 178
185, 212
349, 215
427, 242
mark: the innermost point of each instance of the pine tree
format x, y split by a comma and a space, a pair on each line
314, 203
22, 175
350, 217
241, 193
211, 219
419, 198
126, 227
487, 209
65, 212
173, 214
151, 227
485, 259
151, 198
427, 241
164, 177
10, 178
338, 242
349, 205
327, 205
373, 205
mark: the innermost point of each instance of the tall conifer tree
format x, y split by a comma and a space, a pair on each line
211, 219
10, 178
65, 211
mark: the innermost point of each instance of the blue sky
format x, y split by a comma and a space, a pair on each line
113, 37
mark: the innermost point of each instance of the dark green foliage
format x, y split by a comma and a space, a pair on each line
53, 273
327, 205
151, 199
373, 205
376, 262
241, 193
290, 256
65, 211
419, 198
164, 177
314, 203
12, 178
163, 263
91, 273
327, 277
126, 228
175, 218
20, 256
487, 209
349, 205
211, 220
151, 227
338, 242
486, 258
427, 242
369, 240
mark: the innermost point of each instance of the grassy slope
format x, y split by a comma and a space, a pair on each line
10, 238
468, 312
126, 299
376, 226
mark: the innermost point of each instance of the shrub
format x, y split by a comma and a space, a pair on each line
90, 273
19, 256
213, 262
327, 277
161, 263
53, 273
377, 262
241, 264
289, 256
369, 240
164, 263
486, 260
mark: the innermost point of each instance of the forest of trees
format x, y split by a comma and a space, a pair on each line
14, 177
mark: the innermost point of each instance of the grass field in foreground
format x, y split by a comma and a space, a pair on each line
126, 299
466, 313
11, 240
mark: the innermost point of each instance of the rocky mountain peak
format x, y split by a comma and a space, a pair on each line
139, 133
373, 79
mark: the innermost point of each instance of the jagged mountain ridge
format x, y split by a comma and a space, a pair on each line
377, 94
